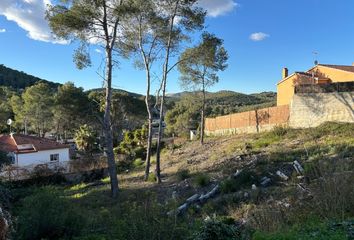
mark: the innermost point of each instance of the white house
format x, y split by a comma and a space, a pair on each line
29, 151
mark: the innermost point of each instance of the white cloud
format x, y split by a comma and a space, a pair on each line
2, 30
30, 16
98, 50
217, 8
259, 36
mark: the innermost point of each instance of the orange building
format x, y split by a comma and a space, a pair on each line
319, 74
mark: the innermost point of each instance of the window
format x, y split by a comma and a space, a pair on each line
11, 159
54, 157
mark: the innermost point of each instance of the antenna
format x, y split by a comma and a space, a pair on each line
315, 54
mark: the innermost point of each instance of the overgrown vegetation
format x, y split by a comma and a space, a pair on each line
320, 209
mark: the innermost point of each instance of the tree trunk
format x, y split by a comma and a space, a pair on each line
159, 139
257, 120
107, 126
149, 139
148, 148
164, 80
202, 120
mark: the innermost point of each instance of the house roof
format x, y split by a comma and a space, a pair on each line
11, 143
339, 67
7, 144
345, 68
294, 74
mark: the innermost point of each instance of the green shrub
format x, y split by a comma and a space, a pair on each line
148, 221
123, 165
4, 159
279, 131
47, 215
183, 174
235, 184
309, 231
265, 140
202, 180
152, 177
216, 230
153, 159
139, 152
138, 162
331, 128
91, 237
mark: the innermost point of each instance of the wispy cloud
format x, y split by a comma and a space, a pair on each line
98, 50
2, 30
216, 8
30, 16
259, 36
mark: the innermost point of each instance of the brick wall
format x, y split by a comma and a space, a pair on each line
251, 121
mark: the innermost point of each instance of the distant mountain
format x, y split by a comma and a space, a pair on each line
219, 103
121, 91
226, 102
19, 80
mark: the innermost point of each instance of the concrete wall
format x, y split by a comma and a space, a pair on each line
306, 110
247, 122
41, 157
312, 109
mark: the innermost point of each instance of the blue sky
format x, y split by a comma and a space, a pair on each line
261, 37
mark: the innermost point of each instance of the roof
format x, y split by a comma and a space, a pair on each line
294, 74
11, 143
345, 68
339, 67
7, 144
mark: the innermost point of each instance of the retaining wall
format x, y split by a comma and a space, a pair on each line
248, 122
312, 109
305, 110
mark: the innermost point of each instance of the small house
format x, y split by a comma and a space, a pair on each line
319, 74
29, 151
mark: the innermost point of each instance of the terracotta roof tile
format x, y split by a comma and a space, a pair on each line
9, 143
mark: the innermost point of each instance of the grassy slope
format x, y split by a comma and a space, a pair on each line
325, 152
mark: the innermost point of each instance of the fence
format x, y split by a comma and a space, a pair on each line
251, 121
325, 87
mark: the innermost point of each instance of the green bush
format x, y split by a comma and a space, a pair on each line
202, 180
309, 231
47, 215
4, 159
183, 174
148, 221
123, 164
265, 140
235, 184
152, 177
216, 230
279, 131
138, 162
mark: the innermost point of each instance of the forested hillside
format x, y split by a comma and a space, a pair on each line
18, 100
226, 102
184, 112
20, 80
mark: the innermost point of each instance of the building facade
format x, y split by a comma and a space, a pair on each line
319, 74
29, 151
